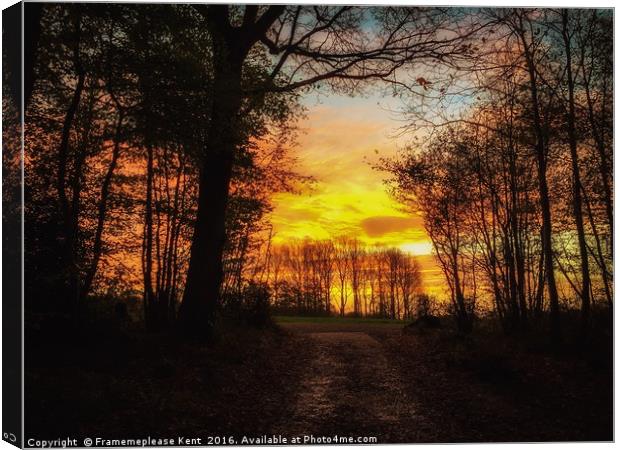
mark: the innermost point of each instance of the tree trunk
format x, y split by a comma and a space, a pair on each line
543, 190
197, 313
147, 250
102, 212
516, 238
66, 293
600, 256
463, 320
72, 230
604, 166
577, 200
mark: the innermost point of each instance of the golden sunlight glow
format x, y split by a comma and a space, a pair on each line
337, 147
417, 248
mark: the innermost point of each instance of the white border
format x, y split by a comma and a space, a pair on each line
471, 3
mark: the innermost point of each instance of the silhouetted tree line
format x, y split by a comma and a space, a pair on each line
516, 188
343, 276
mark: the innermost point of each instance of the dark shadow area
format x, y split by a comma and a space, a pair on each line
111, 379
488, 387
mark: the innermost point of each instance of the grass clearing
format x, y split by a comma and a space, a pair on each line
336, 320
330, 324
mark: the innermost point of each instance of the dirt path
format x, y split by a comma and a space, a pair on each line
357, 379
351, 389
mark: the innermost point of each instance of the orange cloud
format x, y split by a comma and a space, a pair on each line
381, 225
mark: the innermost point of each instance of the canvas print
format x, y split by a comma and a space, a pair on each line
306, 224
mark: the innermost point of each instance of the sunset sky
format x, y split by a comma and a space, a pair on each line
340, 139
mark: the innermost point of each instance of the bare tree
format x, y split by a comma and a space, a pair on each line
343, 270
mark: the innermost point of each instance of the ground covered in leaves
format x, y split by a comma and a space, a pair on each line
346, 379
137, 385
489, 388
